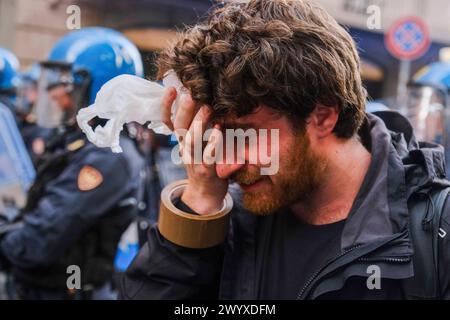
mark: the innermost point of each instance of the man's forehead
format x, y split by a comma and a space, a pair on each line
260, 117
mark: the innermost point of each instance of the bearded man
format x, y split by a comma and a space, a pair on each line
338, 204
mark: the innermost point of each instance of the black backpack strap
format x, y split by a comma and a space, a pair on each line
425, 215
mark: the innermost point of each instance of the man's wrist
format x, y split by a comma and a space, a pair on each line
201, 202
180, 205
190, 230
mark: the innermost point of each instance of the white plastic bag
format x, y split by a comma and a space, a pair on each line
126, 99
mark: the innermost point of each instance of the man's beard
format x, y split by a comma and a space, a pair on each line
301, 172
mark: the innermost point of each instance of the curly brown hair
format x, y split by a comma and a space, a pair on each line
288, 55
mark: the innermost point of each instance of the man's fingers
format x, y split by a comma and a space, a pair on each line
200, 123
213, 152
195, 135
185, 112
169, 97
194, 128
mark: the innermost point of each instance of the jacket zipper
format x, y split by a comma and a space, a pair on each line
395, 260
316, 274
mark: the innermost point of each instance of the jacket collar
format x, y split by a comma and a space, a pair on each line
380, 209
399, 167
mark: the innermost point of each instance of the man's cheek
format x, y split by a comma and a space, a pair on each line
269, 152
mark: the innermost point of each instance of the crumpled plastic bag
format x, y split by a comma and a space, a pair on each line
126, 99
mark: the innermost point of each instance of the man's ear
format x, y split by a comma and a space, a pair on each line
324, 119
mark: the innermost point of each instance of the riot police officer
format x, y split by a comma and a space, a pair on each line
83, 197
428, 104
33, 135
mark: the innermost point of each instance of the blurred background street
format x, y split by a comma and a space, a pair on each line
31, 27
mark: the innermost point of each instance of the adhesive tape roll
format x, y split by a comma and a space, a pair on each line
189, 230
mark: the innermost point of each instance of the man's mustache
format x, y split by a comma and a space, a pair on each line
246, 176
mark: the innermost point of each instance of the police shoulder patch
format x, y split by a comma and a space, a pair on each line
89, 178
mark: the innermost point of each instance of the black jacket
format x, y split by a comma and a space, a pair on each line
63, 225
375, 232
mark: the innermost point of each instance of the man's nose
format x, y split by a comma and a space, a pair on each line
224, 171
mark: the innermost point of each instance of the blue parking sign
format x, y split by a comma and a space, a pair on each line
408, 38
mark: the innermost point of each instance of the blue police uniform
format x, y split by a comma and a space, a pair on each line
76, 219
34, 138
83, 197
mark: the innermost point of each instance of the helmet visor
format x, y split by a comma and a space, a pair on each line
26, 96
427, 111
54, 96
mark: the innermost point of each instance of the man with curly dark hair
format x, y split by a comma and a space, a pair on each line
336, 209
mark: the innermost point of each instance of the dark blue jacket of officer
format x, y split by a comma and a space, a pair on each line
83, 197
80, 204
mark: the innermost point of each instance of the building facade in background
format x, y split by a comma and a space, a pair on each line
380, 68
31, 27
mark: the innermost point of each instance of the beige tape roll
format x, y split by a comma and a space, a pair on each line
189, 230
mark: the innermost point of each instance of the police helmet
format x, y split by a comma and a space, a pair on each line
78, 65
9, 66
